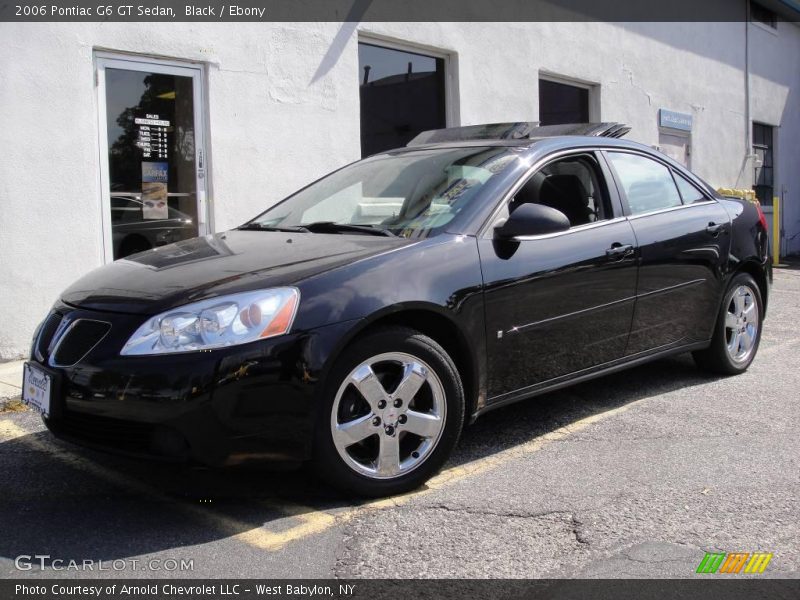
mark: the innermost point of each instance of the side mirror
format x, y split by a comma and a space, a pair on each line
532, 219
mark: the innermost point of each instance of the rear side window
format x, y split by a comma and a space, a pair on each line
648, 184
689, 193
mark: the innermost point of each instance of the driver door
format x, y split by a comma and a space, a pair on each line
558, 304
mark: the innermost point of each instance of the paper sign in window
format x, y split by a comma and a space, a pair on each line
155, 176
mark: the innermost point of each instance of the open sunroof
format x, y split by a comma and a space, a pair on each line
517, 131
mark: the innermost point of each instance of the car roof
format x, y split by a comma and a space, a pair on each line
535, 147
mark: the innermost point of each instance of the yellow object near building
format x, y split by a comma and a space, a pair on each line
776, 216
739, 193
776, 230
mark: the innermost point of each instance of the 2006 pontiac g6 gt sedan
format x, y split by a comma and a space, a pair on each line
361, 322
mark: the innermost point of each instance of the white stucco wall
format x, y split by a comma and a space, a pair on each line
283, 109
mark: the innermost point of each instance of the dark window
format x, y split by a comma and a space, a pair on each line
402, 94
763, 15
689, 193
561, 103
648, 184
571, 185
763, 176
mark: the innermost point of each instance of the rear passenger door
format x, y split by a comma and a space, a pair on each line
683, 237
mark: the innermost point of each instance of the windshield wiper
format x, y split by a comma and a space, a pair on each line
261, 227
333, 227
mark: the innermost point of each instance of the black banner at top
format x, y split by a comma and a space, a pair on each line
388, 10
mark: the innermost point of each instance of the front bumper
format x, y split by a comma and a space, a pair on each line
230, 405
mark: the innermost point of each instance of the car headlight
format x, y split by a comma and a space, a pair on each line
218, 322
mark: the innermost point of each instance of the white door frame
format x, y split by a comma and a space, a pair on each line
104, 60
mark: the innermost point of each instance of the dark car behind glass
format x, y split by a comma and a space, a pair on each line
132, 232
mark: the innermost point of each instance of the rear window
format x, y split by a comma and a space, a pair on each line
689, 193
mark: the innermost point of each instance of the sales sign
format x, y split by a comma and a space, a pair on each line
674, 120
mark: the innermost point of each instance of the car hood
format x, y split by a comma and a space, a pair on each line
225, 263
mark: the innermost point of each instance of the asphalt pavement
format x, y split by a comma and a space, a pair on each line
637, 474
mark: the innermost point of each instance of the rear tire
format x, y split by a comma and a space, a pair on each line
392, 411
737, 333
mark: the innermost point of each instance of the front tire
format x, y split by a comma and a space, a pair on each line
392, 411
738, 329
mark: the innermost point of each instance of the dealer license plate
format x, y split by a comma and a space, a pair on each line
36, 389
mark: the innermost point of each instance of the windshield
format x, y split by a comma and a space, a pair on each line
409, 194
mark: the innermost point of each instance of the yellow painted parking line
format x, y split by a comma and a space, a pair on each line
312, 521
76, 461
235, 527
10, 431
319, 521
309, 521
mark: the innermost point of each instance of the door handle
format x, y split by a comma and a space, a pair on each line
714, 228
618, 251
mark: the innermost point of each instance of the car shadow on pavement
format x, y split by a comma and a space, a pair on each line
78, 504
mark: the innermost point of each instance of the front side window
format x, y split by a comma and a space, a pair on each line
402, 94
570, 185
410, 194
648, 185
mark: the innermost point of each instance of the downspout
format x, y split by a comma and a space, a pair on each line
748, 128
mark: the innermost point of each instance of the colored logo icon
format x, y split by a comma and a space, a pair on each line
734, 562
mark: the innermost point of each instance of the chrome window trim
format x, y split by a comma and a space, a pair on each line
51, 358
578, 228
659, 211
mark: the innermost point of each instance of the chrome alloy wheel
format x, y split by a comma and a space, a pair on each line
741, 324
388, 415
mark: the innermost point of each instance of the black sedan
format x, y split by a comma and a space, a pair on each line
363, 320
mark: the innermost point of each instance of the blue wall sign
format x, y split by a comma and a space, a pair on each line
674, 120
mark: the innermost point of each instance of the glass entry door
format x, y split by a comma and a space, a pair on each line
153, 174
